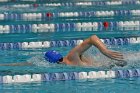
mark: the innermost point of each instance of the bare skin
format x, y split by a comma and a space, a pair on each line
75, 57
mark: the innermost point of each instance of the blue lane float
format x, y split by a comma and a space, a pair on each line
127, 73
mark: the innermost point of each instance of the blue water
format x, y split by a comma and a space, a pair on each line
131, 54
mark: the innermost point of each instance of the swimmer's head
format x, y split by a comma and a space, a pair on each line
53, 56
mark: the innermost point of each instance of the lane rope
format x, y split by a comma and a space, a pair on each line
91, 75
45, 16
80, 26
66, 43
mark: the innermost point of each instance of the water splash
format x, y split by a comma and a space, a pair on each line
39, 61
98, 59
131, 57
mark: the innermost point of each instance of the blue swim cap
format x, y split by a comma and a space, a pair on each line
52, 56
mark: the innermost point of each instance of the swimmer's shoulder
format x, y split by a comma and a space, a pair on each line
72, 61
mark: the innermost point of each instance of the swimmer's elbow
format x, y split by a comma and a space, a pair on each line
94, 37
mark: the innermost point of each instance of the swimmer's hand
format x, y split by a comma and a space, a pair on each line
116, 56
113, 55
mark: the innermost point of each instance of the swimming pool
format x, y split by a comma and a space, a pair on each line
28, 29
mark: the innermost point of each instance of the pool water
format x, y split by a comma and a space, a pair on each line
35, 55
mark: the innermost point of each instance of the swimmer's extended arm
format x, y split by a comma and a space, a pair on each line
94, 40
18, 64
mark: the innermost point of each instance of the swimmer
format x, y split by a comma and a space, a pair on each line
74, 57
